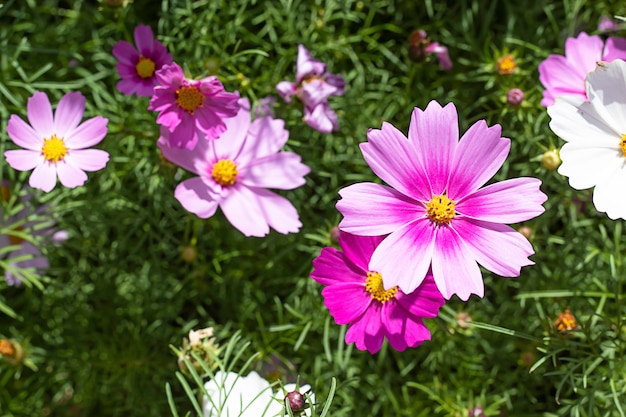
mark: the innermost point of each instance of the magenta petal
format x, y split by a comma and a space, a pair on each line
209, 123
510, 201
392, 157
402, 330
480, 154
330, 268
367, 333
144, 39
559, 78
126, 53
70, 175
88, 159
346, 301
128, 86
403, 257
23, 160
44, 177
22, 134
277, 211
194, 196
497, 247
242, 209
454, 268
374, 210
89, 133
40, 115
425, 301
434, 132
185, 135
69, 113
359, 249
282, 171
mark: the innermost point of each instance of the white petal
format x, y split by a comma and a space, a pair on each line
609, 196
587, 165
606, 90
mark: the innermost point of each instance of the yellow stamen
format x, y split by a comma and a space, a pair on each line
145, 67
189, 98
440, 209
506, 65
374, 286
54, 149
224, 172
622, 144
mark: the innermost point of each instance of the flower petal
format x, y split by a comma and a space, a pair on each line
87, 134
588, 165
277, 211
23, 160
606, 88
321, 118
402, 330
69, 113
70, 175
425, 301
44, 177
126, 53
346, 301
144, 39
608, 196
243, 210
194, 196
23, 135
88, 159
182, 157
40, 114
583, 123
307, 66
367, 333
265, 136
282, 171
330, 268
185, 134
358, 250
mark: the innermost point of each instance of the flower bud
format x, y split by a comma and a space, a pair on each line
551, 160
506, 65
515, 96
334, 234
417, 45
295, 401
11, 351
189, 254
212, 65
462, 319
566, 322
526, 231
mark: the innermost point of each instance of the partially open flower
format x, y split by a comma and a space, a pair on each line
203, 344
566, 322
11, 351
506, 65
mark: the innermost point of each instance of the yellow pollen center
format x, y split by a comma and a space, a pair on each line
506, 65
224, 172
622, 144
145, 67
374, 286
440, 209
54, 149
16, 240
189, 98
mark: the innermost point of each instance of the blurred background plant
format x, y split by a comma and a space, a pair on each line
91, 335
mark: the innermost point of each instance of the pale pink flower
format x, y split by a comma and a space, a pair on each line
137, 67
55, 145
434, 211
235, 171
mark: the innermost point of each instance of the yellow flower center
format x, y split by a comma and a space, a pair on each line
16, 240
374, 286
145, 67
622, 144
224, 172
54, 149
506, 65
189, 98
440, 209
6, 348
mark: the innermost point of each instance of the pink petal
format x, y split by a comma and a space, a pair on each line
402, 330
282, 171
69, 113
480, 154
358, 250
559, 78
233, 139
321, 118
307, 66
277, 211
23, 135
583, 52
170, 77
330, 268
346, 301
87, 159
614, 48
497, 247
44, 177
209, 123
316, 91
404, 257
510, 201
266, 136
126, 53
40, 115
374, 210
425, 301
164, 100
70, 175
23, 160
244, 212
144, 39
185, 135
454, 267
128, 86
182, 157
286, 89
392, 158
434, 133
89, 133
194, 196
367, 333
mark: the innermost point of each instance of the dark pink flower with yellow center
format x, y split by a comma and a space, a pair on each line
138, 67
235, 172
435, 213
55, 145
355, 295
191, 108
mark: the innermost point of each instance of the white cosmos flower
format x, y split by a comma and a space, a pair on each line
595, 132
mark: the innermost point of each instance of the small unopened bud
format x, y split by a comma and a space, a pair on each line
527, 358
551, 160
212, 65
295, 401
515, 96
189, 254
334, 234
462, 319
526, 231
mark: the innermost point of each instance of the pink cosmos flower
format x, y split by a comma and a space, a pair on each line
442, 55
137, 67
355, 295
191, 108
420, 46
565, 75
434, 212
313, 86
235, 172
55, 145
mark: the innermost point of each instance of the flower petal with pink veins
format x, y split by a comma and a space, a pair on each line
40, 115
70, 175
358, 250
43, 177
69, 113
277, 211
393, 158
497, 247
454, 268
480, 154
89, 133
321, 117
243, 210
434, 132
403, 257
346, 301
22, 134
24, 160
194, 196
374, 210
330, 268
282, 171
88, 159
509, 201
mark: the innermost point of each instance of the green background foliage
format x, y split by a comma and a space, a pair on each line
98, 327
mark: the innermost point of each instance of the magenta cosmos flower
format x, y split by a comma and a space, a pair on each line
189, 108
565, 75
434, 212
55, 145
137, 67
235, 171
313, 86
355, 295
